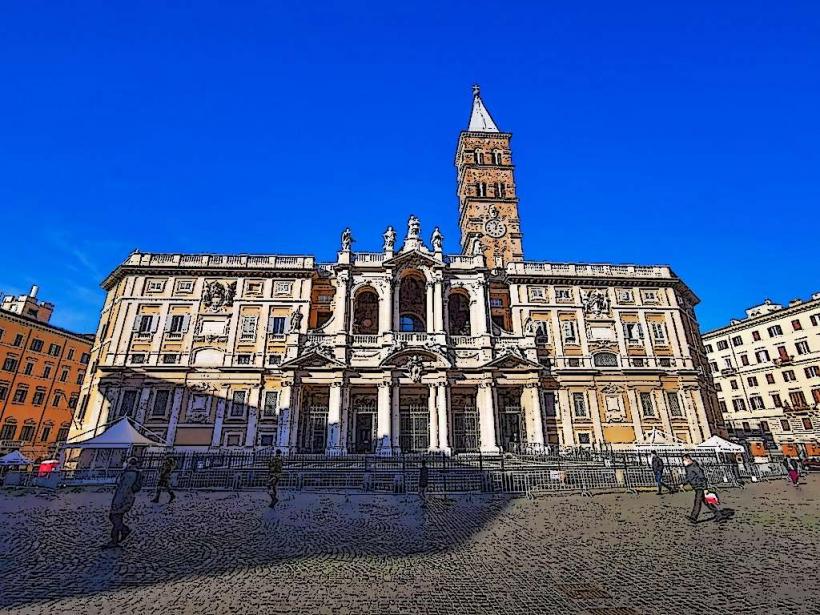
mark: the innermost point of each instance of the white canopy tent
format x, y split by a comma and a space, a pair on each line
655, 438
721, 445
15, 458
119, 434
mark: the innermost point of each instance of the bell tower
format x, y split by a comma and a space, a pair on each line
488, 205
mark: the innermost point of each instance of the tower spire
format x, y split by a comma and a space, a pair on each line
480, 118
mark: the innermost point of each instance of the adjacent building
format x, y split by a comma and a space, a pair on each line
42, 368
766, 369
410, 348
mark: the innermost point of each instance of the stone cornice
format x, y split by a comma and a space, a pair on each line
749, 323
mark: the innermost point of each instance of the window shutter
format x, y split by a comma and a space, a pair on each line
270, 325
626, 331
286, 328
640, 331
137, 320
154, 323
186, 320
169, 320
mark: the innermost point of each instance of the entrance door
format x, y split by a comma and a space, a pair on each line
511, 431
364, 432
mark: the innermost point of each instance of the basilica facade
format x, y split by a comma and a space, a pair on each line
409, 349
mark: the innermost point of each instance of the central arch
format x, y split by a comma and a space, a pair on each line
412, 302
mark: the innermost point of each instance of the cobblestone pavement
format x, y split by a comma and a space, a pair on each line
332, 553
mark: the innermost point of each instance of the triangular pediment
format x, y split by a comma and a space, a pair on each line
312, 359
413, 258
400, 358
513, 360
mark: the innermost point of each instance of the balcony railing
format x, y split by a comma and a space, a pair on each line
412, 338
571, 269
240, 261
365, 340
368, 258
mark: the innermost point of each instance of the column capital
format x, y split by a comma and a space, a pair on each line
486, 384
531, 385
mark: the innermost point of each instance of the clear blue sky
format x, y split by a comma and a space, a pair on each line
679, 133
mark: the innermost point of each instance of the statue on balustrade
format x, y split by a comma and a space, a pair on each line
413, 227
347, 240
296, 320
389, 239
437, 240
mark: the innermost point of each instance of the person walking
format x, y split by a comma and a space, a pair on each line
128, 484
424, 479
169, 464
657, 469
792, 469
274, 476
696, 479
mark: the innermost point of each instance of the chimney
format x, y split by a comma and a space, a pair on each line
33, 292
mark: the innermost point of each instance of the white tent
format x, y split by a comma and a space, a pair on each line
656, 438
721, 445
15, 458
119, 434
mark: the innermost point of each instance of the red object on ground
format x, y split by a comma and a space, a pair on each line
712, 498
47, 466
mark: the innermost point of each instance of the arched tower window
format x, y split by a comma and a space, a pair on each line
481, 189
458, 314
501, 190
412, 303
366, 312
479, 156
496, 156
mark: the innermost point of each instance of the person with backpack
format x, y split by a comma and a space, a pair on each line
657, 470
128, 485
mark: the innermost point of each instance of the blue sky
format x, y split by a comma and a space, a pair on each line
679, 133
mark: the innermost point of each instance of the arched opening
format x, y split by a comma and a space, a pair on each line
500, 311
412, 304
366, 312
458, 314
479, 156
496, 156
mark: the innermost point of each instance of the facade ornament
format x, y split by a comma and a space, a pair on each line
535, 328
296, 320
389, 239
218, 295
611, 389
596, 303
415, 368
413, 227
475, 250
347, 240
437, 240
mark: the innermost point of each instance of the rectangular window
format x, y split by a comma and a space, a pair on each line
579, 404
233, 439
718, 387
714, 366
4, 391
812, 371
62, 434
185, 286
563, 295
27, 433
56, 401
722, 345
80, 376
727, 362
770, 378
807, 424
722, 406
796, 326
583, 438
243, 359
45, 434
762, 356
10, 364
775, 331
254, 288
633, 332
744, 360
64, 375
495, 302
128, 403
568, 331
170, 358
797, 399
647, 407
36, 345
138, 358
20, 395
46, 371
238, 404
752, 381
144, 324
625, 296
85, 358
658, 332
707, 348
737, 341
54, 350
815, 394
756, 402
248, 328
788, 376
739, 405
802, 347
649, 296
8, 431
37, 399
756, 336
160, 403
747, 426
674, 403
277, 325
70, 355
274, 359
776, 401
281, 289
177, 323
784, 425
269, 409
782, 353
18, 340
72, 401
28, 369
764, 426
733, 383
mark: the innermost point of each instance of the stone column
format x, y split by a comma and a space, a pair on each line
486, 417
293, 423
344, 423
216, 438
531, 405
635, 411
142, 405
703, 422
429, 297
253, 416
443, 418
595, 414
481, 326
334, 418
438, 306
663, 411
432, 408
386, 308
283, 415
383, 423
341, 299
176, 407
394, 418
565, 411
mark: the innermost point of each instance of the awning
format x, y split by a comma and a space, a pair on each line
656, 437
724, 446
119, 434
15, 458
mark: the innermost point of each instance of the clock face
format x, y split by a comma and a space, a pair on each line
495, 228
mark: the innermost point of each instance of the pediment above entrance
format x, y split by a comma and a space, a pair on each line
513, 361
313, 359
430, 358
413, 258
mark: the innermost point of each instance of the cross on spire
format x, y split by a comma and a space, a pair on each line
480, 118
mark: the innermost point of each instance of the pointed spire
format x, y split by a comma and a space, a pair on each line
480, 119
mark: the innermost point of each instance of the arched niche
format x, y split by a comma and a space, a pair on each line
458, 313
365, 311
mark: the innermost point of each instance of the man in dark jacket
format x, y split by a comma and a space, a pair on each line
424, 478
128, 484
164, 481
657, 469
697, 480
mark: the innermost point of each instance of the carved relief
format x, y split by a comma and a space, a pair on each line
218, 295
596, 303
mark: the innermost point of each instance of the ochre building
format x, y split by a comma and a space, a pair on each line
42, 368
406, 349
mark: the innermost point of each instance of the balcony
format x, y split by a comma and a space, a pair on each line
784, 360
412, 338
728, 371
368, 258
366, 340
